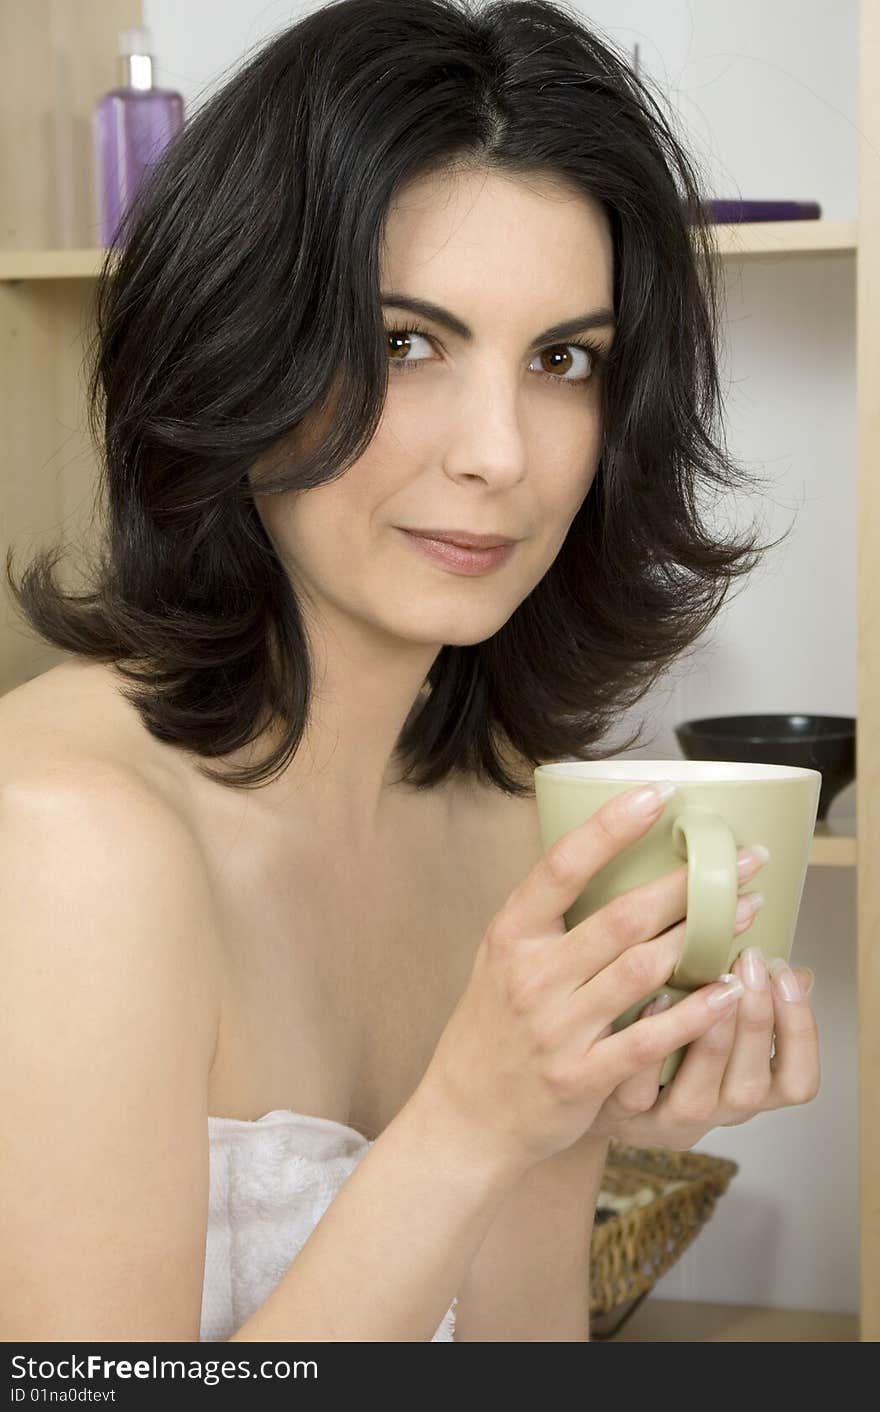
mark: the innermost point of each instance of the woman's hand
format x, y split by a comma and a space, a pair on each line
764, 1054
528, 1060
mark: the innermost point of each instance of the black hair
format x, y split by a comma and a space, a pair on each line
246, 276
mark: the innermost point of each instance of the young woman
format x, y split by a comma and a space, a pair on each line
299, 1047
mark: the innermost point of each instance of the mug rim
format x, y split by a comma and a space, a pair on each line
636, 771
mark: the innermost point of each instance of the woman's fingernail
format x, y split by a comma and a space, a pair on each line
754, 968
650, 800
811, 979
748, 905
730, 990
749, 860
785, 980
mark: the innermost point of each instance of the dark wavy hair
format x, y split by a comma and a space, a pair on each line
246, 276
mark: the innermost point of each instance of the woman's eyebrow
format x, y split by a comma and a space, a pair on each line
596, 318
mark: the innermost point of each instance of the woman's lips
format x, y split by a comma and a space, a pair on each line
459, 560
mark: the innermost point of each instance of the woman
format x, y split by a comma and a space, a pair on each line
294, 980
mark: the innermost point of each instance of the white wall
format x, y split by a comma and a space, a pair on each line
786, 1233
767, 101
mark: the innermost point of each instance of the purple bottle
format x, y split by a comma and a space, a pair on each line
130, 127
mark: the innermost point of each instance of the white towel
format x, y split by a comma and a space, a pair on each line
271, 1180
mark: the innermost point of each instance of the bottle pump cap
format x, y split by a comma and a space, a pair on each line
135, 41
135, 61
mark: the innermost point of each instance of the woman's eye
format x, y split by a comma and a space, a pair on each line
400, 343
567, 358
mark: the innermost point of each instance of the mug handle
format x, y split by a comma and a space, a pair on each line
707, 842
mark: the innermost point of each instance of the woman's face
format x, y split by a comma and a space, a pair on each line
490, 432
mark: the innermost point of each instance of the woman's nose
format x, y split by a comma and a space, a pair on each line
487, 440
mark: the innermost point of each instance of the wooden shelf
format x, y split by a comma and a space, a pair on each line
751, 240
834, 843
680, 1321
748, 240
49, 264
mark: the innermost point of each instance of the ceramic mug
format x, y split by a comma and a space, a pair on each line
718, 806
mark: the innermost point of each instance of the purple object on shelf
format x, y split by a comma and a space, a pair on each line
729, 212
131, 126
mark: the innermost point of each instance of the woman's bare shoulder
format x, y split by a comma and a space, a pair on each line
74, 751
69, 729
108, 946
74, 765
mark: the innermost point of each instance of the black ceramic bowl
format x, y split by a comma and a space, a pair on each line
824, 743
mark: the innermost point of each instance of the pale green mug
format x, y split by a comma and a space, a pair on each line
718, 806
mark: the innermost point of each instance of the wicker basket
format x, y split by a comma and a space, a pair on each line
652, 1203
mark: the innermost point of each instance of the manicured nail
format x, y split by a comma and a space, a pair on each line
754, 968
650, 800
748, 905
749, 860
787, 983
811, 979
730, 990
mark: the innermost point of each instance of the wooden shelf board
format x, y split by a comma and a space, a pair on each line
49, 264
834, 843
681, 1321
754, 239
749, 240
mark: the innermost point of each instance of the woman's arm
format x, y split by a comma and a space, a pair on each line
107, 1031
394, 1246
530, 1280
108, 1027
